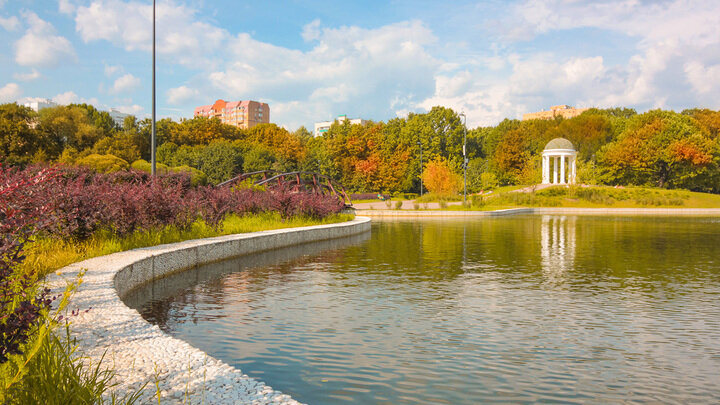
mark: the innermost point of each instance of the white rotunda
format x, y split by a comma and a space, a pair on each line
558, 162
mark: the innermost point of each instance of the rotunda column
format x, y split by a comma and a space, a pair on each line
562, 169
555, 174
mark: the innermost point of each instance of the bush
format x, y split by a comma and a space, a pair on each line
369, 196
525, 199
555, 191
406, 196
103, 163
431, 197
145, 166
489, 181
197, 177
21, 302
593, 195
78, 202
477, 201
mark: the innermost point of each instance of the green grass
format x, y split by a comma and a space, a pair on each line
56, 374
367, 201
46, 255
597, 197
505, 189
439, 198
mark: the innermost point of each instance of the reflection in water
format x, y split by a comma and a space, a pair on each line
557, 240
515, 310
187, 288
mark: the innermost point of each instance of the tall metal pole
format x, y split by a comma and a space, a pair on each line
465, 160
152, 136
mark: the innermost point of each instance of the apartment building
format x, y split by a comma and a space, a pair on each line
243, 114
563, 110
322, 127
41, 103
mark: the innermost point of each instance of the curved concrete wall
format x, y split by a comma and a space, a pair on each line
140, 352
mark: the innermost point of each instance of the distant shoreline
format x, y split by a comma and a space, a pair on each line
544, 211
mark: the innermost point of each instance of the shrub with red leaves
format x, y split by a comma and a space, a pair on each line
77, 202
20, 302
73, 203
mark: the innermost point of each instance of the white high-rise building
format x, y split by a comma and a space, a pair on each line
322, 127
39, 104
118, 117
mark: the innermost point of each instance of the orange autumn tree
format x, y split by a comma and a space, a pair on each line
663, 149
440, 178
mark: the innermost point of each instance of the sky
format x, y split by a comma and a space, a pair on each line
313, 60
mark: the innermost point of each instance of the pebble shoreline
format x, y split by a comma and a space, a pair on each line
140, 352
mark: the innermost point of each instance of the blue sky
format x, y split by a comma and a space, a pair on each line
314, 60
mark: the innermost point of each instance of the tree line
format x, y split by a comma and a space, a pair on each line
615, 146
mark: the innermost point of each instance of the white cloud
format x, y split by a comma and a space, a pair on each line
10, 23
125, 83
67, 6
703, 79
666, 34
649, 21
69, 97
349, 70
534, 82
311, 31
111, 71
181, 94
129, 25
396, 67
66, 98
133, 109
39, 46
26, 77
9, 93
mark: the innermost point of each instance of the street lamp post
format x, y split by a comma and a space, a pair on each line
465, 160
152, 135
421, 167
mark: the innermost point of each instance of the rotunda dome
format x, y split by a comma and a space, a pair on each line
559, 143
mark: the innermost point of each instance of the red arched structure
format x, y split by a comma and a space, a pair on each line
297, 181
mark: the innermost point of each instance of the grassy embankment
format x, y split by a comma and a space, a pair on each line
46, 255
595, 197
575, 197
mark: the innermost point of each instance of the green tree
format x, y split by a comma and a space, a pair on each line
439, 178
287, 147
18, 140
69, 126
258, 158
122, 145
511, 156
219, 160
661, 148
100, 119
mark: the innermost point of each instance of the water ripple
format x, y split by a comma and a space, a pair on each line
514, 310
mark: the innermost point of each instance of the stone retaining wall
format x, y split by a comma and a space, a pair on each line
140, 352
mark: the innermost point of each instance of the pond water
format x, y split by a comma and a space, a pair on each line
517, 310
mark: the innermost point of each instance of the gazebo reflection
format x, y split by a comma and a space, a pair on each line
557, 242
